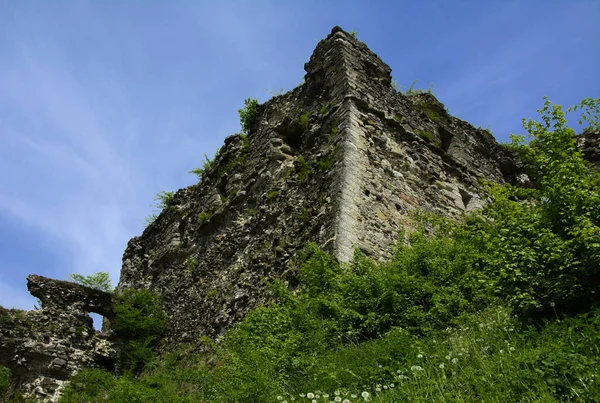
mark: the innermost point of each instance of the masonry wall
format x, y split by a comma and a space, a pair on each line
339, 161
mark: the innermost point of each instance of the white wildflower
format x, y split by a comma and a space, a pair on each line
441, 365
310, 395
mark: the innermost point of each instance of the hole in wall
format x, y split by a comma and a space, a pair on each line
446, 137
466, 197
294, 140
96, 320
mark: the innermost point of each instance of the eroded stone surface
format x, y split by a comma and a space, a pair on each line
43, 348
589, 144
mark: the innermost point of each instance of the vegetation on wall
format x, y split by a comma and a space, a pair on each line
248, 114
139, 321
100, 281
163, 200
4, 380
501, 306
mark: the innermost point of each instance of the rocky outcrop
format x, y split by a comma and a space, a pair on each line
341, 161
43, 348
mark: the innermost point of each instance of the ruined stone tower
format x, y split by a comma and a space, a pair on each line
339, 161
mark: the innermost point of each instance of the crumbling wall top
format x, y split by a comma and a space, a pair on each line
64, 294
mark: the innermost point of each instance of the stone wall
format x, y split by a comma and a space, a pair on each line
43, 348
339, 161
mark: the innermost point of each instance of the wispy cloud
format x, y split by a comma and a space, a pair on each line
70, 180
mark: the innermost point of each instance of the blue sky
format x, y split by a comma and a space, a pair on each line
105, 103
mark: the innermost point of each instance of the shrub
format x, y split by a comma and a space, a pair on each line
207, 165
543, 251
100, 281
248, 114
139, 321
4, 380
90, 385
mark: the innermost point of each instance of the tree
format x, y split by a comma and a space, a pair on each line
99, 281
543, 244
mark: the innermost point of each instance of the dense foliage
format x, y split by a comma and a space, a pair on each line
139, 321
502, 306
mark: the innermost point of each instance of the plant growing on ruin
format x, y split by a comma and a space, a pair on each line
207, 165
204, 216
4, 380
412, 91
248, 114
164, 200
304, 120
99, 281
302, 169
139, 321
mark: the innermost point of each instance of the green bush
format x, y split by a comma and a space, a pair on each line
543, 251
139, 321
248, 114
90, 385
4, 380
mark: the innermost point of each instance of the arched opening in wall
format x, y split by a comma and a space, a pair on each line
96, 320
